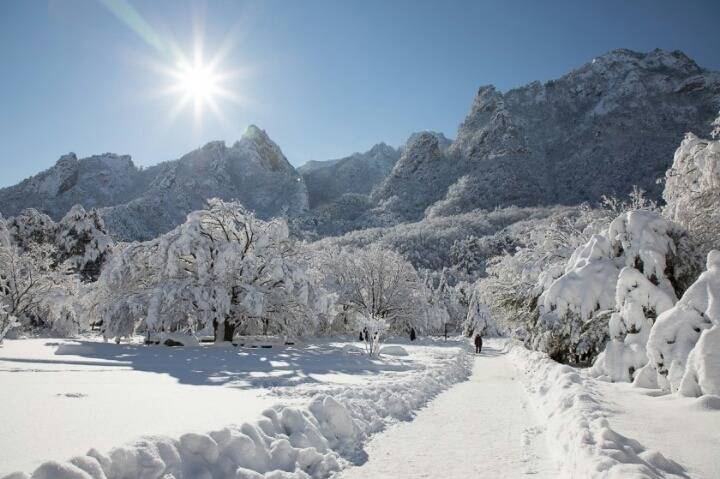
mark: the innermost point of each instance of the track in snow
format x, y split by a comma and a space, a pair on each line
484, 427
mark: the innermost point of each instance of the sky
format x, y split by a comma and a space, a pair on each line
323, 78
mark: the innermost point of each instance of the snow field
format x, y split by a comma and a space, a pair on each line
577, 428
286, 442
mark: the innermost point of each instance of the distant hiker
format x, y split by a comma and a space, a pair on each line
362, 338
478, 343
412, 334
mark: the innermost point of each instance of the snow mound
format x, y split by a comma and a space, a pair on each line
352, 349
287, 442
703, 368
677, 331
394, 350
577, 426
708, 402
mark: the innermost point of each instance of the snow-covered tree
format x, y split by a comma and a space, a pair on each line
7, 322
692, 190
479, 319
376, 283
223, 270
31, 227
29, 280
373, 331
82, 241
678, 329
593, 285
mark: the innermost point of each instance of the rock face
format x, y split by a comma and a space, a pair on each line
140, 204
359, 173
599, 130
97, 181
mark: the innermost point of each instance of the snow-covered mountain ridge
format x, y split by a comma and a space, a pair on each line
598, 130
139, 204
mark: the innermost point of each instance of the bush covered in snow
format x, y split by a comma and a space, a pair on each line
626, 268
677, 331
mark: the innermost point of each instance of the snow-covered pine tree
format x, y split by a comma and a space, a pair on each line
677, 330
82, 241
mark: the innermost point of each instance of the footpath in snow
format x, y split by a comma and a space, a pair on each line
483, 427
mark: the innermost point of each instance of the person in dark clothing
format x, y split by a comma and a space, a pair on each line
478, 343
412, 334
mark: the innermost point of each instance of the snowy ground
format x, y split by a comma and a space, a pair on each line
484, 427
60, 398
683, 429
518, 414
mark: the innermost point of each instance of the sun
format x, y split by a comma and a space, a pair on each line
198, 82
201, 85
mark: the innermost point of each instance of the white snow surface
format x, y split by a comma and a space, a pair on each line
483, 427
331, 403
578, 430
682, 429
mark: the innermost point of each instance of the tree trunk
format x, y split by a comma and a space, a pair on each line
223, 331
229, 331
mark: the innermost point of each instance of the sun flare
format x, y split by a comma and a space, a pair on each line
200, 83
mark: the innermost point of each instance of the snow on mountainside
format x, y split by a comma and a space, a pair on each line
327, 181
141, 204
97, 181
600, 129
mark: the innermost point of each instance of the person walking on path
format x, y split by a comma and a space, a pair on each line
478, 343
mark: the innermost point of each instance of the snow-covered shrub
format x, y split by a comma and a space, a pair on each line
702, 375
64, 321
678, 329
373, 330
638, 303
82, 241
638, 243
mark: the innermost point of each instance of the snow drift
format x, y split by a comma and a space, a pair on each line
287, 442
577, 428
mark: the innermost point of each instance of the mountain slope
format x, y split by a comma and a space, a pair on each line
359, 173
140, 204
611, 124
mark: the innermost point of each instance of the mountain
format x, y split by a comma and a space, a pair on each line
97, 181
359, 173
140, 204
598, 130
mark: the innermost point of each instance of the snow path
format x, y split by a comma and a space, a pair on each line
484, 427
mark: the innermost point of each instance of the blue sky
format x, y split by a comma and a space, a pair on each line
324, 78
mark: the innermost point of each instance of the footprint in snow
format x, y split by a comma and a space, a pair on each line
71, 395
